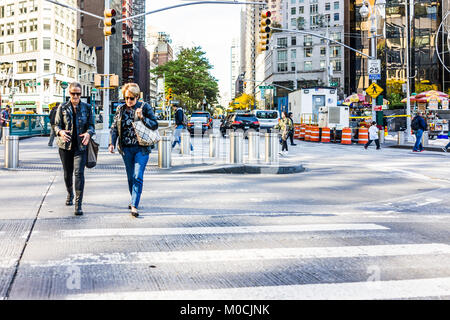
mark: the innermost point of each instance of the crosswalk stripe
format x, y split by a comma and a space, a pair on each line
218, 230
392, 289
204, 256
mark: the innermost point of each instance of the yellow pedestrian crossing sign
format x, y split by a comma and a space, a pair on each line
374, 90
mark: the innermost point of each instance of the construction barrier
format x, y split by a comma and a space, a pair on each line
346, 136
296, 131
302, 131
308, 133
363, 135
315, 134
325, 135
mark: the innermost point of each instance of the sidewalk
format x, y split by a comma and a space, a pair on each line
433, 145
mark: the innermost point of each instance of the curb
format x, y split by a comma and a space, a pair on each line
246, 169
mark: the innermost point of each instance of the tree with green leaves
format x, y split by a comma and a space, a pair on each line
190, 79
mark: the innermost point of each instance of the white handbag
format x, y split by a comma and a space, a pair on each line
146, 136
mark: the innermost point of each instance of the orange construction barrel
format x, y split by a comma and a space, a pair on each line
325, 135
346, 136
315, 134
296, 131
302, 131
363, 135
308, 133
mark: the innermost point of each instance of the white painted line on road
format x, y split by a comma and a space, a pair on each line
7, 263
393, 289
203, 256
218, 230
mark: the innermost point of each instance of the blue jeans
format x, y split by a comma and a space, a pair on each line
135, 162
177, 136
418, 145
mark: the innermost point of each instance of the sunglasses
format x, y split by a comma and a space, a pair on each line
130, 98
75, 93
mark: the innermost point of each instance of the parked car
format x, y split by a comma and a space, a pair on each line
199, 120
267, 118
242, 121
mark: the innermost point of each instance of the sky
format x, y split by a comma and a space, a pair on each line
211, 26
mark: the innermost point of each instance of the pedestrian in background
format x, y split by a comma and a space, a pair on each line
419, 125
373, 136
4, 118
74, 127
291, 131
135, 157
52, 117
180, 124
284, 125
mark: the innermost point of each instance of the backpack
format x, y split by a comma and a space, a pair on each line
415, 124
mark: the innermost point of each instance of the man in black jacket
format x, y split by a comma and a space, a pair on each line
180, 124
419, 125
52, 124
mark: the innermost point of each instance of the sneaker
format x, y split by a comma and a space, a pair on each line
444, 149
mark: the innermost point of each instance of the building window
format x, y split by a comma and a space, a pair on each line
2, 29
282, 42
293, 22
2, 12
10, 46
307, 41
293, 10
282, 55
282, 67
337, 65
336, 17
33, 25
293, 66
307, 65
33, 6
314, 8
327, 6
322, 64
293, 1
28, 66
335, 52
59, 67
10, 10
308, 52
46, 44
22, 46
22, 7
46, 65
9, 29
2, 48
336, 36
294, 41
22, 26
47, 27
293, 54
301, 9
300, 23
336, 5
323, 51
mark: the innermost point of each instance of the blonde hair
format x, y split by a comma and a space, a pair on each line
133, 88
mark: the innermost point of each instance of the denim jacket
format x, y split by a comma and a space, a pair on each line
116, 128
64, 120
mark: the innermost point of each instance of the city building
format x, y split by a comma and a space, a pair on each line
86, 69
235, 65
38, 51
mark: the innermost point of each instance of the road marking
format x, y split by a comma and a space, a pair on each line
203, 256
218, 230
7, 263
393, 289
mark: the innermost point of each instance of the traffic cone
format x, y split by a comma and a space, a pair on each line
385, 131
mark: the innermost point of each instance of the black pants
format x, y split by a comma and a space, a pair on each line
291, 136
73, 161
284, 145
377, 142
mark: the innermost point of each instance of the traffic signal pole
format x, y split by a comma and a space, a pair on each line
104, 136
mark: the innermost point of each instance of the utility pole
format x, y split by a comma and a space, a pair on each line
105, 132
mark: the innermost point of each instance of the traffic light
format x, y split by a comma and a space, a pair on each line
109, 22
245, 84
264, 32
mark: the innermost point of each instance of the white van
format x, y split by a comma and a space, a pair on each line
267, 118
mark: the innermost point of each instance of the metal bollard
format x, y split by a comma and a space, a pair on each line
214, 145
236, 147
164, 152
185, 143
400, 137
425, 139
12, 152
5, 133
272, 147
253, 146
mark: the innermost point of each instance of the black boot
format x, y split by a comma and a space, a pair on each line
78, 201
69, 199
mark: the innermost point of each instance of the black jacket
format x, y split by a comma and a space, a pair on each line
64, 120
116, 128
179, 117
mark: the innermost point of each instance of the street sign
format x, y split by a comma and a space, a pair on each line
93, 90
64, 85
266, 87
374, 67
174, 101
374, 90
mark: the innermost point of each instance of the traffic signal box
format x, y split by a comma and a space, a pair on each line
109, 22
264, 32
99, 81
169, 95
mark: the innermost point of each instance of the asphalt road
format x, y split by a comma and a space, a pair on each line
357, 224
